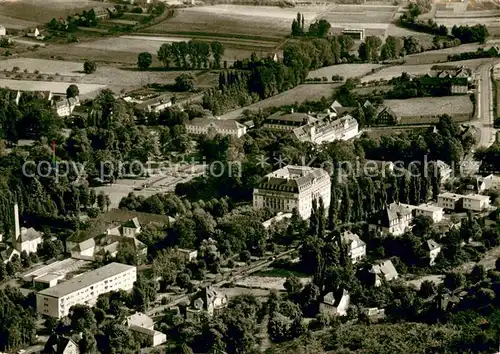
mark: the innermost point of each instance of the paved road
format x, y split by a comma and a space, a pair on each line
485, 106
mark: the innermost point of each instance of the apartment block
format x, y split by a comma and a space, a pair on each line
449, 201
474, 202
85, 289
293, 187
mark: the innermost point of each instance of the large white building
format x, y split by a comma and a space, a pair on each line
85, 289
474, 202
293, 187
200, 126
449, 201
322, 129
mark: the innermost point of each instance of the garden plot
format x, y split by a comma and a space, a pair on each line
65, 68
86, 90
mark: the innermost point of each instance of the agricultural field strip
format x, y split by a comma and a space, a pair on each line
65, 68
55, 87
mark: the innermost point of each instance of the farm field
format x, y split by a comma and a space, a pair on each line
235, 48
298, 94
345, 70
266, 21
440, 55
395, 71
86, 90
44, 66
15, 23
425, 110
36, 11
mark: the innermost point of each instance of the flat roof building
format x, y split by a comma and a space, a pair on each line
85, 289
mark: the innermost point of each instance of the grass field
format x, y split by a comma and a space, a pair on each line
43, 66
345, 70
427, 109
298, 94
38, 11
86, 90
265, 21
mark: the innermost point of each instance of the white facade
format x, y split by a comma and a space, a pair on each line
356, 247
449, 201
476, 202
436, 213
85, 289
188, 255
3, 31
293, 187
335, 304
490, 183
200, 126
445, 170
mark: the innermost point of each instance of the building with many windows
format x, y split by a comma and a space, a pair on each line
293, 187
85, 289
200, 126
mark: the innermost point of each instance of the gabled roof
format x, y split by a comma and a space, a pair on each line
228, 124
57, 345
132, 223
29, 234
291, 178
432, 245
85, 245
385, 268
334, 298
141, 320
394, 211
348, 237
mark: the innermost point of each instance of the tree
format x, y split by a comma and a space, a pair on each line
88, 344
292, 285
427, 289
89, 67
72, 91
421, 225
165, 54
454, 280
144, 60
185, 82
217, 52
101, 201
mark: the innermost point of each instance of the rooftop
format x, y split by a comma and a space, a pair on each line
215, 123
454, 196
86, 279
291, 178
477, 197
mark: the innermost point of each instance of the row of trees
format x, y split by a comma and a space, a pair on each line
194, 54
318, 29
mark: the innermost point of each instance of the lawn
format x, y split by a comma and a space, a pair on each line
43, 66
345, 70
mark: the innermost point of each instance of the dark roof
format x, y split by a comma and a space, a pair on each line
291, 178
56, 344
334, 298
132, 223
294, 119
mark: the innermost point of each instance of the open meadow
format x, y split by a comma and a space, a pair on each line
86, 90
65, 68
298, 94
345, 70
14, 12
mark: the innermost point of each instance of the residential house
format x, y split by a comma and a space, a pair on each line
47, 280
489, 183
7, 253
383, 270
64, 107
156, 105
250, 124
386, 117
449, 201
443, 170
433, 249
395, 219
3, 31
447, 79
57, 344
200, 126
335, 303
143, 326
436, 213
207, 300
374, 314
35, 34
188, 255
293, 187
111, 231
356, 247
476, 202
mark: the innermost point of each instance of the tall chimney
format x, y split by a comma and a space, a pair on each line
17, 228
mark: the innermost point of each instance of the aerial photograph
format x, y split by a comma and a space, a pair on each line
250, 176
